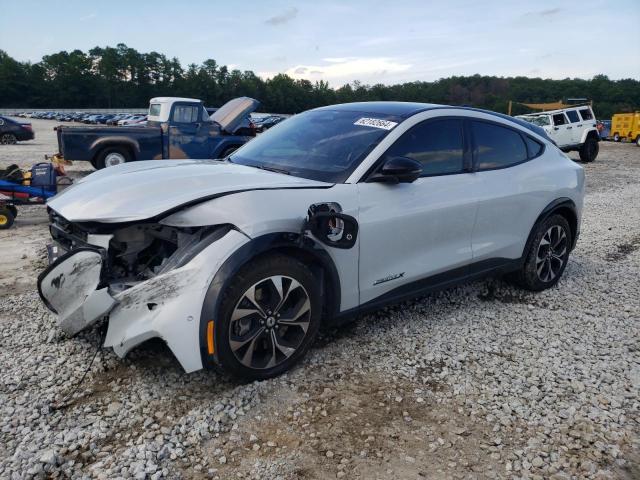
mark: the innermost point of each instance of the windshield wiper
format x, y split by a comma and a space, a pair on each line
272, 169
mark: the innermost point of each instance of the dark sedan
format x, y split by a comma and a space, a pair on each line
12, 131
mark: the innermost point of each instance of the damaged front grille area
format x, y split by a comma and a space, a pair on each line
135, 253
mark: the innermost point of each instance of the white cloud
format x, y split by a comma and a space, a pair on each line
91, 16
348, 69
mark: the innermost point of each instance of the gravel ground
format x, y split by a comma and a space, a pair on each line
481, 381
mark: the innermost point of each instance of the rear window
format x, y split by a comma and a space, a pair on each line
154, 110
573, 116
586, 114
185, 113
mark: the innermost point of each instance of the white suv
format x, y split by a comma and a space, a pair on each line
236, 263
571, 129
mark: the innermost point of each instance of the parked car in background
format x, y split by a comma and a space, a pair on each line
236, 264
572, 129
266, 123
604, 129
175, 128
626, 127
12, 131
132, 119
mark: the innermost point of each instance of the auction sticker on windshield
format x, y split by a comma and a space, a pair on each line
376, 123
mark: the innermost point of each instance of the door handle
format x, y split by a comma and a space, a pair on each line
569, 128
556, 128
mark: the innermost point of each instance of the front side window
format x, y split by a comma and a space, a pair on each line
573, 116
586, 114
496, 146
436, 144
559, 119
185, 114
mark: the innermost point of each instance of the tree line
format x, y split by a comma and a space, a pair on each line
122, 77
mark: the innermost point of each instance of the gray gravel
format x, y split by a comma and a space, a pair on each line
482, 381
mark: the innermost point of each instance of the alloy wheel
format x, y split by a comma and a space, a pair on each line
270, 322
551, 253
8, 139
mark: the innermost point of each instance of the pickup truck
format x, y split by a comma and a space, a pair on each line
176, 128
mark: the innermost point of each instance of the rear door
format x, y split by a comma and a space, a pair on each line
190, 131
508, 204
560, 133
412, 231
575, 127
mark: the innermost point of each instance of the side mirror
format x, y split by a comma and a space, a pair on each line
332, 228
398, 170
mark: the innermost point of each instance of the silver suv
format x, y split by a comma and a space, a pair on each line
237, 263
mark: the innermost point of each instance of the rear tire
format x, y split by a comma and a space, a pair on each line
8, 139
6, 218
112, 156
263, 342
589, 150
638, 141
547, 255
616, 137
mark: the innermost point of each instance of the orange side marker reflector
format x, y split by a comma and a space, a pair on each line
210, 337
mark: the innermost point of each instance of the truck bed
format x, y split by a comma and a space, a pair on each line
86, 142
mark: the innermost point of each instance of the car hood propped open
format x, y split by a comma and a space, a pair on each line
144, 190
231, 115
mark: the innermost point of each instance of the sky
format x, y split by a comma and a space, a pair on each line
343, 41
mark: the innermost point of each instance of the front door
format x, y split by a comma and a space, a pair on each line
190, 132
412, 231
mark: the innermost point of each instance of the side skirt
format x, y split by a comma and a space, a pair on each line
435, 283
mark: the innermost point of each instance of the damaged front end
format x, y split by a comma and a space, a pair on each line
141, 276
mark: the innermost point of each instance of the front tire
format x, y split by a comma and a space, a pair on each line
269, 318
589, 150
638, 141
616, 137
547, 255
112, 156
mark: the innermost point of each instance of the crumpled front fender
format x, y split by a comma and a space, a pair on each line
168, 306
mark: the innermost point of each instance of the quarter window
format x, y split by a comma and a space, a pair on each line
534, 147
496, 146
185, 113
573, 116
586, 114
559, 119
437, 145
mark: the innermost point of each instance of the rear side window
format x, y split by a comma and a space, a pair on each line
436, 144
154, 109
586, 114
185, 113
559, 119
573, 116
496, 146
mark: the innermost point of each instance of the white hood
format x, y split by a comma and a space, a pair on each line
143, 190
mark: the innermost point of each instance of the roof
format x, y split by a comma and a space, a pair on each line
399, 109
407, 109
172, 99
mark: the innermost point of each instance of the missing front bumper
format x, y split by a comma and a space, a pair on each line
69, 288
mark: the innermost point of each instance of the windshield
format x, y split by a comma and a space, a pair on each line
541, 121
324, 145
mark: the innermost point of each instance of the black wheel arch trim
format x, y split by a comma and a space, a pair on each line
280, 242
558, 204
